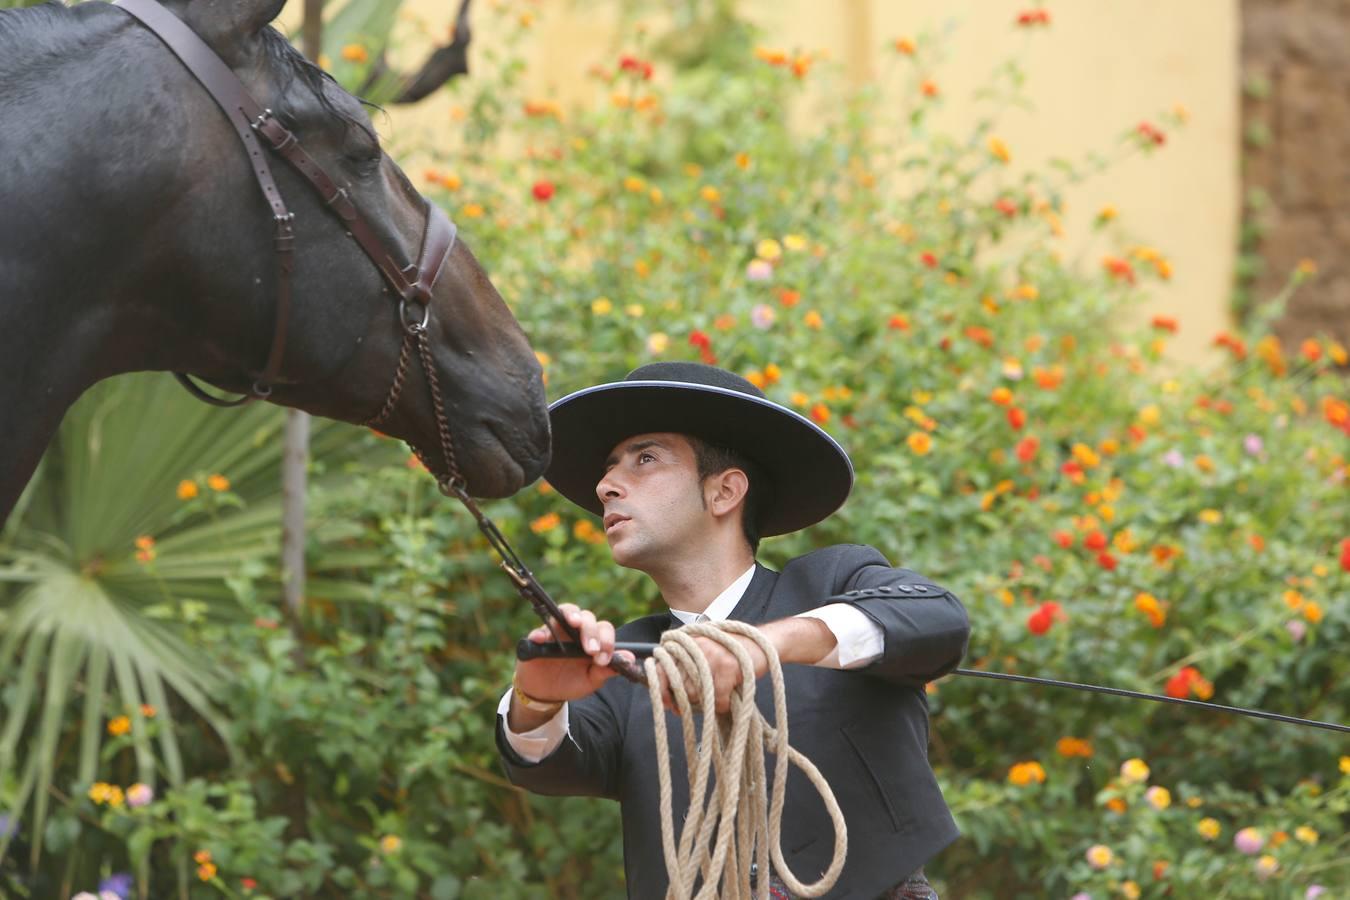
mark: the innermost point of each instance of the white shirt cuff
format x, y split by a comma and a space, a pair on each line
537, 744
860, 641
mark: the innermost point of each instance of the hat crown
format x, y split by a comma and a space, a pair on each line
695, 373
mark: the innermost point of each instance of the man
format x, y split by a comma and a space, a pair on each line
688, 465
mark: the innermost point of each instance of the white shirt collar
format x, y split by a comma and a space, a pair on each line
724, 603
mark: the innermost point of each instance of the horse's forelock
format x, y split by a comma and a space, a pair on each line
291, 66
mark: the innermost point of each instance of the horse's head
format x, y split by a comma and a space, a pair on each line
343, 342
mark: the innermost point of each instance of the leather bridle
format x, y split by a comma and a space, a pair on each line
259, 128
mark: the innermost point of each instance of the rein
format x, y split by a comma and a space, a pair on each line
258, 127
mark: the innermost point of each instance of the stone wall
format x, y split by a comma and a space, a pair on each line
1296, 121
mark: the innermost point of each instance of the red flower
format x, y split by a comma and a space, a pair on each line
1033, 17
248, 884
543, 191
898, 322
1095, 540
1119, 268
1016, 418
1027, 448
1039, 622
928, 259
1165, 323
1345, 555
1006, 206
1064, 539
637, 66
1179, 685
982, 336
1106, 561
699, 339
1151, 133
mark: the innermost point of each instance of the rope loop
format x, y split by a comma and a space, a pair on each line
733, 829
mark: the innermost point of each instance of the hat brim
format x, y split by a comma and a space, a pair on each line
811, 474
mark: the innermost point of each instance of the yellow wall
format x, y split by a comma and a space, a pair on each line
1100, 68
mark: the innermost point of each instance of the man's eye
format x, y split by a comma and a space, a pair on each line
643, 456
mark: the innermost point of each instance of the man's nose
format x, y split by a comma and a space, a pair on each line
608, 488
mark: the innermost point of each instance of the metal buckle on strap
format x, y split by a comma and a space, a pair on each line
285, 239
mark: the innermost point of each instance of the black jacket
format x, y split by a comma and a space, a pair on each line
865, 729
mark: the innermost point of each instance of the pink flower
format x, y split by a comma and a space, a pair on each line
1253, 444
1174, 459
1296, 629
759, 270
140, 795
1249, 841
762, 316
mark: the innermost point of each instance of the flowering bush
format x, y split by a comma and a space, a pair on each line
1104, 516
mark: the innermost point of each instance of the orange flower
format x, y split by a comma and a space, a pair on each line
772, 373
788, 297
355, 53
1016, 418
1072, 746
1165, 323
898, 322
187, 489
1118, 268
546, 522
821, 413
1150, 606
905, 46
928, 88
119, 726
919, 443
218, 483
1027, 449
1311, 350
1002, 396
1024, 773
813, 320
724, 322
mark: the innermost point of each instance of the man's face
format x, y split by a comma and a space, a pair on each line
653, 499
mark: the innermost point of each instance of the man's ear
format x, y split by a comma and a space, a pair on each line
231, 26
726, 491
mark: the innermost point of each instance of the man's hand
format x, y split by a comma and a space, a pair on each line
796, 640
560, 680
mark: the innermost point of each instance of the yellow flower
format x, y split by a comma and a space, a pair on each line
710, 193
794, 242
355, 53
1209, 828
635, 310
391, 843
920, 443
742, 160
1023, 773
1107, 212
1345, 765
1211, 516
98, 791
546, 522
1099, 856
218, 483
472, 210
206, 871
657, 196
1086, 456
1267, 865
1307, 266
1306, 835
904, 45
633, 184
813, 320
800, 399
756, 377
1150, 415
1312, 611
772, 373
642, 268
657, 343
1194, 802
1134, 771
1129, 890
1158, 797
1025, 291
769, 249
602, 306
1204, 463
187, 489
999, 150
201, 856
119, 726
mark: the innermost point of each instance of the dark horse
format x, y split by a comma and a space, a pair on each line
134, 237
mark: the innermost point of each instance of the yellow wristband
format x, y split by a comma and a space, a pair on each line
534, 703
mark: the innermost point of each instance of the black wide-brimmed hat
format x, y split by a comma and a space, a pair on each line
810, 475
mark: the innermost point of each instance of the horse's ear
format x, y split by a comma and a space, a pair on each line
230, 25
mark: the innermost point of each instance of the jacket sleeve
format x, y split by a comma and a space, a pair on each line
925, 626
587, 761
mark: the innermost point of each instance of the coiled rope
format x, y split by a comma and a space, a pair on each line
745, 817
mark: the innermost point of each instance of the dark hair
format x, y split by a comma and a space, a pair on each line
712, 459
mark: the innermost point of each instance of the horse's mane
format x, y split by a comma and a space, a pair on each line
38, 27
291, 66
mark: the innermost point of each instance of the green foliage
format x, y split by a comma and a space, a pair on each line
1104, 515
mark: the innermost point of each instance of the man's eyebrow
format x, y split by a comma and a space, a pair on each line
635, 447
